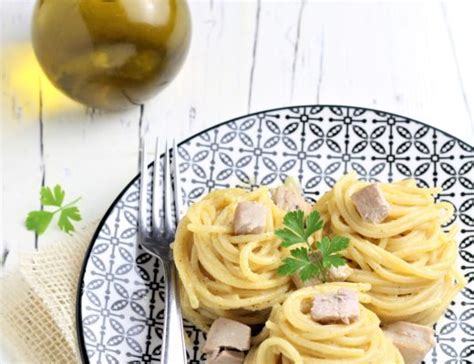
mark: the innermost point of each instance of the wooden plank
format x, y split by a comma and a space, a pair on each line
309, 56
213, 84
459, 25
91, 154
276, 47
20, 110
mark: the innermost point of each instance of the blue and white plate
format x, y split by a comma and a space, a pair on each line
120, 300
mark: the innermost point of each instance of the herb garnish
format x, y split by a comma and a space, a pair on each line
38, 221
309, 261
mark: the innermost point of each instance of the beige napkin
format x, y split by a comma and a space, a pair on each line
38, 308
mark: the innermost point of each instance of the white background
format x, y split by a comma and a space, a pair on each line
411, 58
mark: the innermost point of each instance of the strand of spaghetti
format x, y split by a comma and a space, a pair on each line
375, 254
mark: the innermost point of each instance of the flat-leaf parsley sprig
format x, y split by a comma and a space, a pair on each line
38, 221
309, 261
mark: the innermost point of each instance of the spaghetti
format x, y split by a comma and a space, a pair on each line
295, 338
408, 259
225, 275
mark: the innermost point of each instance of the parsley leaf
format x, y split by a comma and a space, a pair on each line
300, 253
329, 249
68, 214
296, 230
294, 220
309, 262
300, 262
38, 221
299, 259
313, 223
52, 197
309, 271
290, 266
289, 237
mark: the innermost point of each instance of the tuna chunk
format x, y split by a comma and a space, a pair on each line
371, 204
412, 340
336, 308
339, 274
226, 357
227, 334
295, 277
250, 218
288, 199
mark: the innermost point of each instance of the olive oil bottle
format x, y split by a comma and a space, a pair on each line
111, 54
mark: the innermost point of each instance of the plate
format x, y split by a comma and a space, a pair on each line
120, 297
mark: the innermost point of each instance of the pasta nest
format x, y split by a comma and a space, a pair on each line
293, 337
226, 275
408, 259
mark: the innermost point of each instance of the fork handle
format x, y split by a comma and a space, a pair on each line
173, 349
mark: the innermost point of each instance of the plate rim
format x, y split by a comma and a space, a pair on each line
80, 284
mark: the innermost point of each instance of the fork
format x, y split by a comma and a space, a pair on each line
157, 242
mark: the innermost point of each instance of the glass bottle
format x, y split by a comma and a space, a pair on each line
111, 54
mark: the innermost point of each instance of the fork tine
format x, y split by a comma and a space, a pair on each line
142, 213
157, 198
167, 205
177, 182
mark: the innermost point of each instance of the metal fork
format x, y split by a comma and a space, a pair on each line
157, 242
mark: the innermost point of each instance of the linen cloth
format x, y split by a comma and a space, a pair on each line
38, 301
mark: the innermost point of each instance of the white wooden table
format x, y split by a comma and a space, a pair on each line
411, 58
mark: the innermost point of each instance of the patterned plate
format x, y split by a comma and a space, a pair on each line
120, 301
